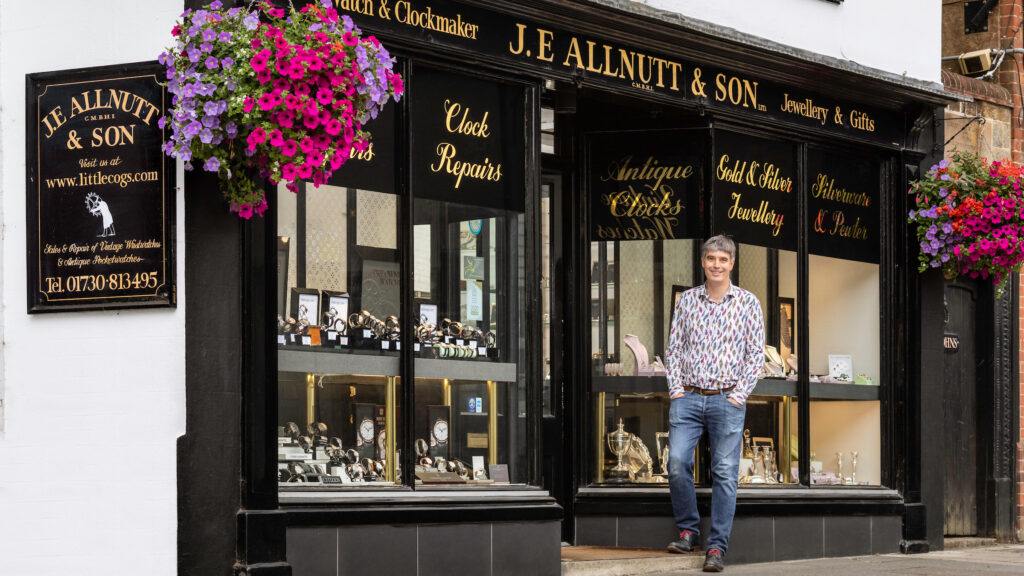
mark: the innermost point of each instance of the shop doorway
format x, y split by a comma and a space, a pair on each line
963, 453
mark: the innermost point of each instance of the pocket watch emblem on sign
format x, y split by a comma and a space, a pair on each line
440, 431
366, 431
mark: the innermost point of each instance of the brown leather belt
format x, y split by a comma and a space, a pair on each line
707, 392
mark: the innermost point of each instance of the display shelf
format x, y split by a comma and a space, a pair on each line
765, 387
475, 370
337, 361
360, 362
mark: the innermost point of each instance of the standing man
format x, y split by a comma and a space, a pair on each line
715, 354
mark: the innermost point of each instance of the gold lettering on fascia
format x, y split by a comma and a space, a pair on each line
458, 120
644, 71
759, 176
807, 108
834, 222
110, 99
366, 155
405, 13
645, 205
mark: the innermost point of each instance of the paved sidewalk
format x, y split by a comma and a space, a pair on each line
995, 560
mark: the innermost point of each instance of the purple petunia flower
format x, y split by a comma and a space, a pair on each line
224, 37
193, 55
231, 129
206, 136
209, 34
206, 47
212, 165
227, 62
944, 164
216, 5
252, 21
193, 128
211, 122
211, 63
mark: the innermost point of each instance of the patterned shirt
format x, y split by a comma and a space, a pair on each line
716, 345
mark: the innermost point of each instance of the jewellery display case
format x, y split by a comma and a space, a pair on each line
631, 396
339, 339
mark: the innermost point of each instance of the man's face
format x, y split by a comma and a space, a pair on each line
717, 265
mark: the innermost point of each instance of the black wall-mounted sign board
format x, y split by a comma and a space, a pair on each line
843, 206
646, 185
755, 187
468, 140
100, 191
572, 56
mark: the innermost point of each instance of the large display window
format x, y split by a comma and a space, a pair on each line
343, 342
755, 196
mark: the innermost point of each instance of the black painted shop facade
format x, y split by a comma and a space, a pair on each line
806, 166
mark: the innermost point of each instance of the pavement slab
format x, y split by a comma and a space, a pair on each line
1000, 560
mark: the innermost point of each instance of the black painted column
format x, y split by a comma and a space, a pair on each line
222, 483
1005, 403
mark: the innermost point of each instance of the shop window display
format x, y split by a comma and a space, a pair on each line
343, 410
338, 338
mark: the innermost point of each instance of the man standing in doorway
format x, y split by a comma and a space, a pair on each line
715, 354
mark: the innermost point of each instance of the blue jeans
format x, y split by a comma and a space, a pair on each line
688, 416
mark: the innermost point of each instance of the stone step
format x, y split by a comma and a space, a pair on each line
618, 561
959, 543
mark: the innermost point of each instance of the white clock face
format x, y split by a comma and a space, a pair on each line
440, 431
380, 440
366, 430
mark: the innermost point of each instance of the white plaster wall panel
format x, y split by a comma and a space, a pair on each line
902, 37
94, 401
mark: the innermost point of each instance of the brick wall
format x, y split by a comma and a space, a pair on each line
1009, 76
1010, 14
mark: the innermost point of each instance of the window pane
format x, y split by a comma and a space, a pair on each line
339, 294
633, 286
470, 413
769, 443
468, 183
845, 375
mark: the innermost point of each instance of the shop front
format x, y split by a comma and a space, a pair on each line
450, 357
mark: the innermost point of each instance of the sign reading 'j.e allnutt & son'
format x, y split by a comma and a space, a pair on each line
100, 201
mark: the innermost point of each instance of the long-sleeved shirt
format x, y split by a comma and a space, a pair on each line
715, 345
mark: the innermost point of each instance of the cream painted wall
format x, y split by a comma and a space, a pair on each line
873, 33
94, 401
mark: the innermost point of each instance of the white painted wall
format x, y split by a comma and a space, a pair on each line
94, 401
903, 37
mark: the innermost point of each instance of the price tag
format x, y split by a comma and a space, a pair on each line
306, 340
291, 338
332, 335
460, 342
343, 341
416, 347
447, 339
398, 345
481, 351
385, 345
280, 339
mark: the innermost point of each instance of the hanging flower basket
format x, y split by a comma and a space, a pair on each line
969, 215
283, 95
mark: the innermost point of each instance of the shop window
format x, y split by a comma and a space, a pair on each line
342, 404
469, 417
844, 316
644, 190
770, 455
339, 297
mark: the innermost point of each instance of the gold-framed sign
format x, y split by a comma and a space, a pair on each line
100, 191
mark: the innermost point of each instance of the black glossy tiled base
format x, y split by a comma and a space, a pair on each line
485, 549
755, 538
